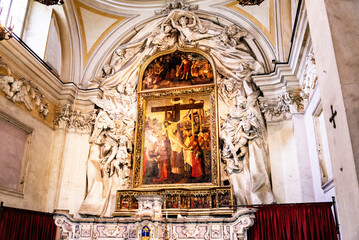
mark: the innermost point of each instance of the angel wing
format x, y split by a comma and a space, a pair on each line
252, 98
254, 110
106, 105
95, 82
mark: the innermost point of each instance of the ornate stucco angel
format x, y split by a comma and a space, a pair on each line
245, 152
110, 150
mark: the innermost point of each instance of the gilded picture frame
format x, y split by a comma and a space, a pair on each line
196, 107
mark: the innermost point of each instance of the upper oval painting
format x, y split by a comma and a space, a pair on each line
177, 69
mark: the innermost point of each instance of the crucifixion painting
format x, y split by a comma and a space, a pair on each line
177, 141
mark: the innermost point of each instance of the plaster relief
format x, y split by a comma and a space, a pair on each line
245, 152
282, 107
74, 120
310, 75
22, 91
110, 157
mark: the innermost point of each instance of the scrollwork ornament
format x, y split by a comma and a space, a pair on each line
294, 100
176, 4
111, 231
282, 107
191, 231
275, 109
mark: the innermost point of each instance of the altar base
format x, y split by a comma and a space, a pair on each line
148, 228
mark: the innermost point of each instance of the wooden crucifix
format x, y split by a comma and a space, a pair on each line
176, 110
332, 118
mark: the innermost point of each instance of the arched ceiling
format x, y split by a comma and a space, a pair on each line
98, 26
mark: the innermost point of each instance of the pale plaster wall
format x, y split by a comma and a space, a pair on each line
36, 174
320, 194
283, 29
36, 32
55, 168
284, 163
261, 13
37, 27
52, 54
301, 139
334, 31
293, 6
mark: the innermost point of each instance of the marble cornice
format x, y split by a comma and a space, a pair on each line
277, 82
205, 219
55, 94
25, 65
282, 91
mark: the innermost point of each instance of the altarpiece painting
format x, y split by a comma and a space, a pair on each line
177, 137
177, 69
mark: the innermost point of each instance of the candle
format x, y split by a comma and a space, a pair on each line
166, 214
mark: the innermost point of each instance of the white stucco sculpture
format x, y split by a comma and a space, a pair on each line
245, 152
22, 91
110, 151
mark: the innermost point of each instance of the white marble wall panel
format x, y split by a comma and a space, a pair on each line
334, 32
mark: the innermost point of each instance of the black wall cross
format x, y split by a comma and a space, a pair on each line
334, 114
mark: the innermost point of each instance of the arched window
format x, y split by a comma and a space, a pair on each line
13, 14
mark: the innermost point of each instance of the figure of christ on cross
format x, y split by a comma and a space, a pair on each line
172, 129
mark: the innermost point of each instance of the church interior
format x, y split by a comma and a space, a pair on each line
179, 119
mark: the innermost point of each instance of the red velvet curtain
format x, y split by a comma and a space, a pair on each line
16, 224
294, 222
